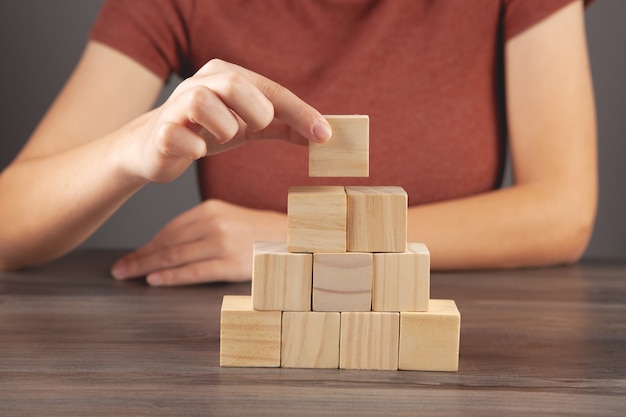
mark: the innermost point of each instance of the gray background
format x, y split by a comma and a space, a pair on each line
41, 40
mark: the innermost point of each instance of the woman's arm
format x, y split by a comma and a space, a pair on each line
547, 216
96, 146
68, 178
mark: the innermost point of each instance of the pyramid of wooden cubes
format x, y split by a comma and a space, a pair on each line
346, 290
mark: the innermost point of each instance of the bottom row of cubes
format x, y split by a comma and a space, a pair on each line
427, 341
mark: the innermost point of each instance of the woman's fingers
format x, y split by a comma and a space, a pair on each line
214, 270
258, 102
165, 258
291, 109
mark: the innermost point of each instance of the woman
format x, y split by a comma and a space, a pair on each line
446, 84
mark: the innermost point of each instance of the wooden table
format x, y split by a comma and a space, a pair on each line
74, 342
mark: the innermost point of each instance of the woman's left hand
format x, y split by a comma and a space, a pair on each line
211, 242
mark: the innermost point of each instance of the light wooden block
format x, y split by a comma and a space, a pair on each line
377, 219
429, 341
317, 219
346, 154
247, 337
342, 281
401, 281
369, 341
281, 280
310, 340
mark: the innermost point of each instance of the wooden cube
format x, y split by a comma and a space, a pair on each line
317, 219
429, 341
248, 337
346, 154
310, 340
342, 281
401, 281
377, 219
281, 280
369, 341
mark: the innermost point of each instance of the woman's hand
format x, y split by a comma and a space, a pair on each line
222, 106
211, 242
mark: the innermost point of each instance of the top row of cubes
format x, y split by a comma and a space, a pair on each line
335, 219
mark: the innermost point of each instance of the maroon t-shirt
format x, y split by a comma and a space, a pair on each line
428, 73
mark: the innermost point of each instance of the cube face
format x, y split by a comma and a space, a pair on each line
377, 219
310, 340
248, 337
429, 341
346, 154
342, 281
369, 341
401, 281
317, 219
281, 280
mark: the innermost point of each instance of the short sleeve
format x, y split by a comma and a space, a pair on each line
151, 32
520, 15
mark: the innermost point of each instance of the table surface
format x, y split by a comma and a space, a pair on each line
74, 342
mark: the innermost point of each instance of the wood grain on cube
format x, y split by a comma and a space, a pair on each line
429, 341
281, 280
401, 281
310, 340
377, 219
248, 337
342, 281
346, 154
317, 219
369, 341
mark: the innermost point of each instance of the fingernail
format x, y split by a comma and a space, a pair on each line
322, 130
154, 279
119, 271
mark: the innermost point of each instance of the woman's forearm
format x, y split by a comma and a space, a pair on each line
50, 204
525, 225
